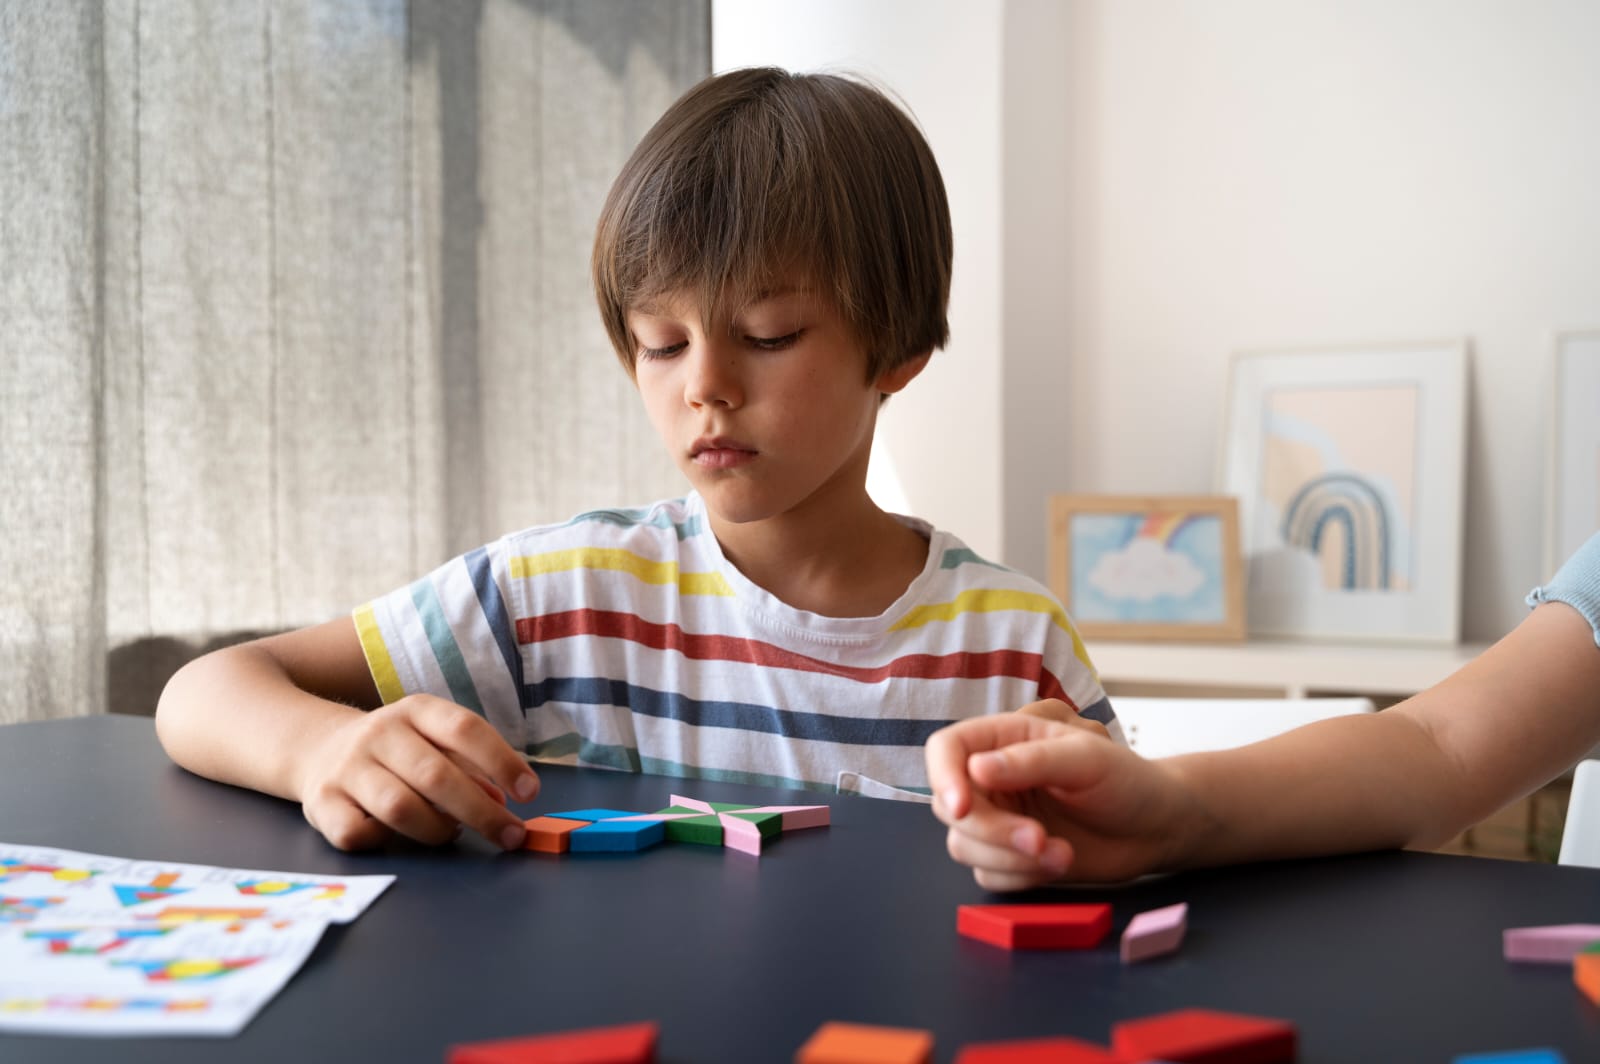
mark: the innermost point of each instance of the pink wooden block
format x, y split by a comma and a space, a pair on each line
691, 803
740, 834
1153, 933
796, 817
659, 816
1555, 944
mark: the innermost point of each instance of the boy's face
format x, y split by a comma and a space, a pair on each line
767, 411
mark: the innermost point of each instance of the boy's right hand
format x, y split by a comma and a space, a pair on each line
418, 768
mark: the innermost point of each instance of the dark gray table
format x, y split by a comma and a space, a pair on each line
1378, 958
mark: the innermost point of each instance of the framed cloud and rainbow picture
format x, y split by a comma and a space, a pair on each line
1349, 465
1148, 567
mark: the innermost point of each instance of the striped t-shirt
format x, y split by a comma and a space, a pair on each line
625, 639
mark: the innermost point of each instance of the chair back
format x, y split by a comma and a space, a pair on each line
1580, 837
1162, 727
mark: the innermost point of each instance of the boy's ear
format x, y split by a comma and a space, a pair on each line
895, 378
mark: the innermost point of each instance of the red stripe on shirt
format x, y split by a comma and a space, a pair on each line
612, 624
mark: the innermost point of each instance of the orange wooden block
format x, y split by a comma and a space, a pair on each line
1586, 973
855, 1043
548, 834
1202, 1036
633, 1043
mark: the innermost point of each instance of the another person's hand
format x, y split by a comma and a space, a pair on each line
1041, 795
421, 767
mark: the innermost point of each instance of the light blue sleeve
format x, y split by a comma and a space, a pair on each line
1577, 583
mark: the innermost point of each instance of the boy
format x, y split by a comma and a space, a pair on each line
772, 262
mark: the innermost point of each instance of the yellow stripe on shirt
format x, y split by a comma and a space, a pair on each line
378, 660
990, 600
621, 561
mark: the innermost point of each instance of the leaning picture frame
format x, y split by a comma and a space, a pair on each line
1149, 567
1349, 465
1573, 491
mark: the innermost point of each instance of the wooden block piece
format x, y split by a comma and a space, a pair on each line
1515, 1056
703, 829
796, 817
768, 824
593, 815
1036, 926
1154, 933
548, 834
739, 834
1038, 1051
855, 1043
617, 836
1586, 972
692, 803
1554, 944
1203, 1036
633, 1043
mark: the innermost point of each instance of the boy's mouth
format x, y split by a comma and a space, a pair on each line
717, 452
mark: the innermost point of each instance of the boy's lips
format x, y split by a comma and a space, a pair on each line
719, 452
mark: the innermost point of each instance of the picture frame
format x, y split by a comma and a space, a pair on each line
1349, 464
1573, 490
1149, 567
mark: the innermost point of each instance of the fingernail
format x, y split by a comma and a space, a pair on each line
993, 759
455, 836
950, 798
526, 787
1053, 860
511, 838
1022, 841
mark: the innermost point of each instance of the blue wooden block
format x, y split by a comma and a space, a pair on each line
1515, 1056
593, 814
617, 836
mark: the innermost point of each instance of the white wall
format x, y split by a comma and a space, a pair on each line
942, 435
1142, 187
1254, 173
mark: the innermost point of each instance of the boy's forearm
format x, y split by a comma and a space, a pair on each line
237, 717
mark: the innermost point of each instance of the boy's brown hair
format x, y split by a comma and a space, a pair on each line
758, 178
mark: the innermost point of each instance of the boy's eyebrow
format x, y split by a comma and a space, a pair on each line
654, 308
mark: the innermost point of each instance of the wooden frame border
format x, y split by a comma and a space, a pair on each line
1230, 629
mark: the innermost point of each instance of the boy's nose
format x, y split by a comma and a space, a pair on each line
713, 378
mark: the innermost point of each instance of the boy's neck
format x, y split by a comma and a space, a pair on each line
832, 564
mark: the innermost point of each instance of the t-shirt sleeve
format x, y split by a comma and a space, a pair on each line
449, 634
1577, 583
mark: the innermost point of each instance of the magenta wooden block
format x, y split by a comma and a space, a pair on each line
1154, 933
1555, 944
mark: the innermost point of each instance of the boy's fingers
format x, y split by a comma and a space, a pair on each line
452, 794
1046, 856
346, 825
472, 740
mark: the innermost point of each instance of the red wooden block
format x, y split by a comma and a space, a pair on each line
1038, 1051
1035, 926
1201, 1036
633, 1043
548, 834
855, 1043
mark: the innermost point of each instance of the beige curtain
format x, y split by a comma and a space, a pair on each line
294, 305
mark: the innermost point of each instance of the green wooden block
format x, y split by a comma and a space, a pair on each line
769, 824
705, 830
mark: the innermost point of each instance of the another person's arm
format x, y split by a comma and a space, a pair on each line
1029, 800
298, 716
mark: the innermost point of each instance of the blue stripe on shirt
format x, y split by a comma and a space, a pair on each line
445, 649
494, 612
745, 716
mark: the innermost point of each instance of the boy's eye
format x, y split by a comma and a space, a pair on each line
774, 343
648, 353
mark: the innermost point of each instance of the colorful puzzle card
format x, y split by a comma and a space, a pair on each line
98, 945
